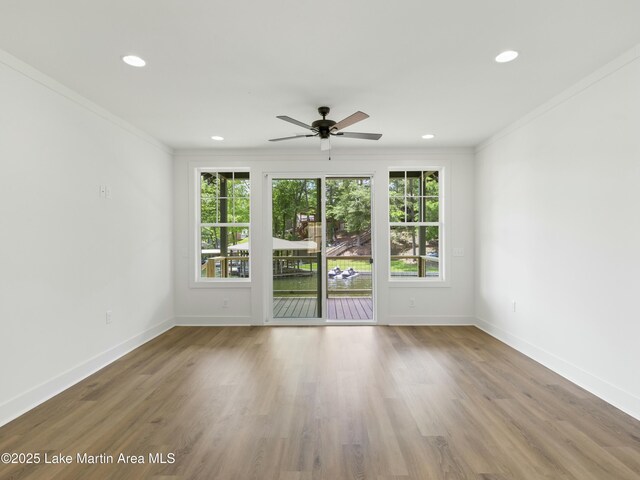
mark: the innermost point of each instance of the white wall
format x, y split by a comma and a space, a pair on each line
66, 255
248, 304
558, 231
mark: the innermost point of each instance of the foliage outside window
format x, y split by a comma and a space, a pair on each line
348, 208
415, 224
295, 204
223, 225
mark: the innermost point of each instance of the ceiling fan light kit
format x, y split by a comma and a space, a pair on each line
325, 128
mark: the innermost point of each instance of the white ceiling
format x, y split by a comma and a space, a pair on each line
229, 67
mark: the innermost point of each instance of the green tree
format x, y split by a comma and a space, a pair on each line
291, 198
349, 203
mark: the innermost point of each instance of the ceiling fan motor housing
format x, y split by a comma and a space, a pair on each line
323, 126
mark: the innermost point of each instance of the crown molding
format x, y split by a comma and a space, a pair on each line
37, 76
610, 68
336, 154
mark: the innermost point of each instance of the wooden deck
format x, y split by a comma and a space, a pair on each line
294, 307
341, 308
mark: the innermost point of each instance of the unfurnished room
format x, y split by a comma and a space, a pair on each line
294, 240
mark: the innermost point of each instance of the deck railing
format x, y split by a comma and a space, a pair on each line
225, 267
306, 265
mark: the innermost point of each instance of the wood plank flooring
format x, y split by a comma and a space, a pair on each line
339, 308
302, 403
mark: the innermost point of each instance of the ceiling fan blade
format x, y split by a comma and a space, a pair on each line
325, 144
289, 138
295, 122
364, 136
350, 120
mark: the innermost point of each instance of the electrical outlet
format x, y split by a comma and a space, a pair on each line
412, 302
109, 317
103, 191
225, 303
107, 192
513, 304
458, 252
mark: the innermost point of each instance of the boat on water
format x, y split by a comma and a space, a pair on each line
336, 272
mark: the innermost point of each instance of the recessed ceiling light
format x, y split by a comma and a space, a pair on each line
507, 56
428, 136
134, 61
217, 138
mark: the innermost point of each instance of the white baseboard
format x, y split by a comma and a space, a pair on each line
24, 402
617, 397
426, 320
399, 320
214, 321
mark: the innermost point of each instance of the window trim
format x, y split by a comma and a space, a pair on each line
442, 280
195, 280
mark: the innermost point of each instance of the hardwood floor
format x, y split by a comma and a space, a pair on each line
300, 403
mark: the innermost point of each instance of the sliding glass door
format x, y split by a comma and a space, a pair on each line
321, 255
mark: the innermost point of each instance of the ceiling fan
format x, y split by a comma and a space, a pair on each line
325, 128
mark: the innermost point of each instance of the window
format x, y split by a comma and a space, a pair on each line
222, 224
415, 225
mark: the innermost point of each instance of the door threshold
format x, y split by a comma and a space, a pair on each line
351, 322
305, 322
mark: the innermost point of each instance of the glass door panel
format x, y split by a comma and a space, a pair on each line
297, 248
349, 261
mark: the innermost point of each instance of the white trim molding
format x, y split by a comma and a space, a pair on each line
626, 58
611, 394
428, 320
20, 404
216, 321
356, 154
48, 82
